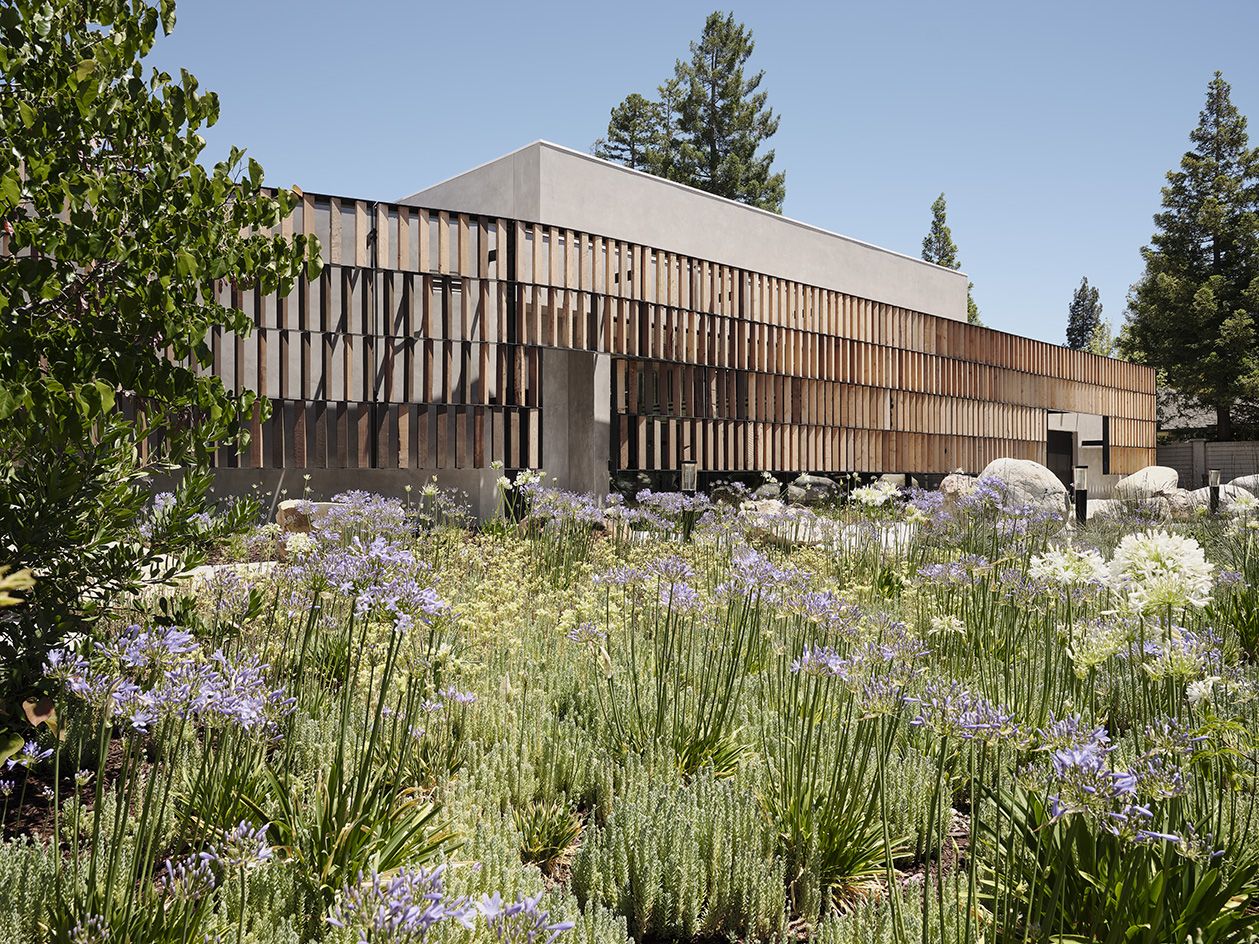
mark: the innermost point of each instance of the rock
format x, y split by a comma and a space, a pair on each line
726, 493
298, 516
1148, 482
1180, 503
1229, 494
812, 490
1105, 508
784, 524
894, 537
955, 486
899, 479
767, 492
1029, 484
630, 484
1157, 508
1249, 482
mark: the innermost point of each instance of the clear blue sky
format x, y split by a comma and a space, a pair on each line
1049, 126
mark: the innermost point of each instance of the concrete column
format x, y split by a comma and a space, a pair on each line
576, 419
1199, 451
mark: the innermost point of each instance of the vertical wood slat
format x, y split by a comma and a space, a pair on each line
747, 332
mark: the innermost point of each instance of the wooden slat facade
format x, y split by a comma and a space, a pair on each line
422, 343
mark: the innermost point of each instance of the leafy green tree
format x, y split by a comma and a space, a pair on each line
116, 240
1192, 313
938, 247
1084, 316
709, 125
1102, 340
633, 133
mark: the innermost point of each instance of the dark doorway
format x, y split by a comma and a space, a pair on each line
1059, 453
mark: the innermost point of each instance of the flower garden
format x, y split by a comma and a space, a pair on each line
900, 717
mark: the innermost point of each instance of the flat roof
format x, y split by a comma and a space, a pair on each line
553, 185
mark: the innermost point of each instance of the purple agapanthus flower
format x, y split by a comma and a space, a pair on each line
402, 909
520, 922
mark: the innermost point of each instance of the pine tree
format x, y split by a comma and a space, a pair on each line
633, 133
666, 158
1192, 313
725, 119
707, 127
1084, 316
938, 247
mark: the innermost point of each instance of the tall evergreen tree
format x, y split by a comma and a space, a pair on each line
1084, 316
708, 126
938, 247
1192, 313
633, 133
725, 119
666, 158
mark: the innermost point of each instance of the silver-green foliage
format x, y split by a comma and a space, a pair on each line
686, 859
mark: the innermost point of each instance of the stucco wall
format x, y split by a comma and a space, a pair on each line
545, 183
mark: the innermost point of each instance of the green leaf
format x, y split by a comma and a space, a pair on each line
10, 743
10, 190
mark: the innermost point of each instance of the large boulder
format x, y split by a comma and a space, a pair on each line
1147, 483
1158, 508
787, 525
1028, 484
1229, 495
1180, 503
1249, 482
298, 516
812, 490
1105, 508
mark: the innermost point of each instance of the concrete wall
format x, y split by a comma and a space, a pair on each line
556, 186
576, 419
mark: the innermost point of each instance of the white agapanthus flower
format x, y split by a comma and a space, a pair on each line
1096, 641
947, 625
873, 496
530, 477
1244, 504
1200, 690
298, 545
1068, 567
1157, 569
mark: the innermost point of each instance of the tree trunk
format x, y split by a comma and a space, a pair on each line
1224, 423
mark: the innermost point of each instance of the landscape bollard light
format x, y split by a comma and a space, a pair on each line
690, 475
1213, 482
1080, 483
